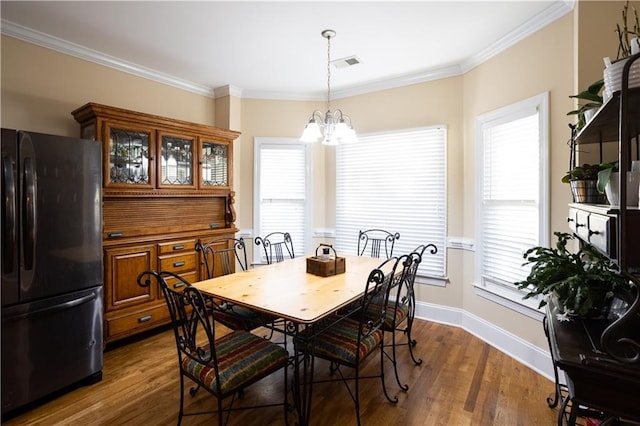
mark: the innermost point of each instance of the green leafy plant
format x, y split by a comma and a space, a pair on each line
593, 100
584, 172
604, 175
627, 35
583, 282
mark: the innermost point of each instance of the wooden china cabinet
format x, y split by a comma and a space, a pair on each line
167, 184
600, 358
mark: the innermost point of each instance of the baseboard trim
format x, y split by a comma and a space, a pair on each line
524, 352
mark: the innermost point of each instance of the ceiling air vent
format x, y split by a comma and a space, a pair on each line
345, 62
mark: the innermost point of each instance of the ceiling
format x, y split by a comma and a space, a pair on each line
273, 49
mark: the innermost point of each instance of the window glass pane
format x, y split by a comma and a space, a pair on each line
176, 161
281, 185
128, 157
394, 181
214, 164
512, 190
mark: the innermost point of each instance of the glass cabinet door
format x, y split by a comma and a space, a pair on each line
214, 165
129, 159
176, 158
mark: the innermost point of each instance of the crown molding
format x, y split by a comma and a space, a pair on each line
228, 90
553, 12
59, 45
549, 15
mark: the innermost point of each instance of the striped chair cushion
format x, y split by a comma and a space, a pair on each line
242, 359
400, 311
339, 343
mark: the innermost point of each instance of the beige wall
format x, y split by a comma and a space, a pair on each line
41, 87
596, 41
540, 63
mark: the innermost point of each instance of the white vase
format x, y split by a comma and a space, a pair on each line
633, 187
612, 76
635, 45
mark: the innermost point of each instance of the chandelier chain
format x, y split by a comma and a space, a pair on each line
329, 73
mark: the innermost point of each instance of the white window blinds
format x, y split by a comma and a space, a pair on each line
512, 190
282, 188
394, 181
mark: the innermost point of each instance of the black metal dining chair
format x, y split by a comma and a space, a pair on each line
277, 246
349, 337
376, 242
223, 365
401, 307
220, 256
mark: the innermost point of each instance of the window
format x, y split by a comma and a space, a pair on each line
282, 191
511, 193
395, 181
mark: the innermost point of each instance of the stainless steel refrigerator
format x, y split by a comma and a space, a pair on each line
51, 265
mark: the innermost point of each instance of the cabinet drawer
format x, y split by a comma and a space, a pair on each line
582, 225
176, 246
178, 263
174, 283
136, 322
602, 233
571, 219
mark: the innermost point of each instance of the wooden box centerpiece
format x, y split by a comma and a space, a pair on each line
325, 264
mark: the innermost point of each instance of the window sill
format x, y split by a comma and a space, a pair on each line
512, 299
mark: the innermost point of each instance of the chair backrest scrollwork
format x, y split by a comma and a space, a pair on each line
376, 242
277, 246
221, 256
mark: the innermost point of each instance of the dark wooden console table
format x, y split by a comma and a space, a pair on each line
596, 384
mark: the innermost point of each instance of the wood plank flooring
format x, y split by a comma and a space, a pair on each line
462, 381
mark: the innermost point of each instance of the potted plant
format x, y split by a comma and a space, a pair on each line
584, 282
583, 180
628, 37
609, 184
628, 45
586, 110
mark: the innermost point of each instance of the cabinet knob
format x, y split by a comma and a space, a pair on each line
178, 264
570, 219
593, 232
578, 225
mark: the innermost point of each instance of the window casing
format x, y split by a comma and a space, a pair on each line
395, 181
282, 191
512, 158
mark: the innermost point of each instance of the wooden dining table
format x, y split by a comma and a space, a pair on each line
285, 290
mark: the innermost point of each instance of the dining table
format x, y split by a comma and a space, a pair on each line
286, 290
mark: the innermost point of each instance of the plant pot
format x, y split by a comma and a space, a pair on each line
613, 77
612, 189
588, 114
586, 191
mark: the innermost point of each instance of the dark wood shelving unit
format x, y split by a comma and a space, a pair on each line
600, 359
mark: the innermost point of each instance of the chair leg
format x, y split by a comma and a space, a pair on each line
181, 412
393, 400
356, 400
394, 361
411, 341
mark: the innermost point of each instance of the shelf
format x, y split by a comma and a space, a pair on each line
604, 126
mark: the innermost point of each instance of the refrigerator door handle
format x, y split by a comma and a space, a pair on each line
29, 237
9, 231
56, 308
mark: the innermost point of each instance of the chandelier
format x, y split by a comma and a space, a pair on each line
332, 127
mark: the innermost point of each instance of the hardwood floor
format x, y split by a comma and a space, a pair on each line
462, 381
